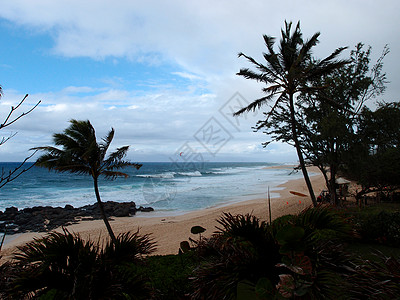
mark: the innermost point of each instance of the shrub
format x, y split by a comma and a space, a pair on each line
295, 256
375, 279
383, 228
168, 275
242, 249
64, 266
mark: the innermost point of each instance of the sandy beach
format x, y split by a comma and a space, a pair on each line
168, 232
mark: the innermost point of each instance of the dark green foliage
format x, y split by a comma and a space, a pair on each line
327, 118
129, 247
322, 223
295, 256
64, 266
243, 248
383, 228
169, 275
375, 279
300, 256
8, 271
374, 159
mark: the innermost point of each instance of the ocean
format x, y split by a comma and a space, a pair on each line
170, 188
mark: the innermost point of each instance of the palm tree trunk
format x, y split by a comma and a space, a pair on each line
103, 214
299, 153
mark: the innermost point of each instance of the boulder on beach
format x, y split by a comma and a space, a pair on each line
45, 218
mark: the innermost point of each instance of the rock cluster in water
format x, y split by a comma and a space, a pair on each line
45, 218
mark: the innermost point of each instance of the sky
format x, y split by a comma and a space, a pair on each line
163, 73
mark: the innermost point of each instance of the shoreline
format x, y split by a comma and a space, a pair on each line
169, 231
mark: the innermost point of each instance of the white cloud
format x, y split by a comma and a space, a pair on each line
187, 75
202, 40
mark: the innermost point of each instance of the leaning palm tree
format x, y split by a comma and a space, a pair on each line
82, 154
286, 73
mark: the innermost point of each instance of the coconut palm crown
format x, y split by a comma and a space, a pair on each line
287, 72
80, 153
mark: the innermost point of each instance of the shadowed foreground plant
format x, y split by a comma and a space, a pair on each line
375, 279
295, 256
64, 266
243, 249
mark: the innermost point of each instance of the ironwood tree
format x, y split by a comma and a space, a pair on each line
286, 73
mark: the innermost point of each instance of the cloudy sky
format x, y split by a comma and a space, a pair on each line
162, 73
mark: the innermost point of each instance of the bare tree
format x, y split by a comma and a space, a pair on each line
13, 116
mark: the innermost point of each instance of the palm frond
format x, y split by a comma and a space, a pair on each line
113, 174
51, 150
252, 106
81, 131
267, 72
129, 246
105, 144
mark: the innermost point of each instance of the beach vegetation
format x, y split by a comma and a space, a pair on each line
377, 278
373, 160
377, 224
64, 266
330, 125
169, 275
286, 73
80, 153
319, 253
295, 256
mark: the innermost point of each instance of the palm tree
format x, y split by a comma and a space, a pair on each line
82, 154
287, 72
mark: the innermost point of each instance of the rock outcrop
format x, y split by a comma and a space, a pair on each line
45, 218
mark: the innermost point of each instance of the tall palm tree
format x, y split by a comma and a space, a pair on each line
287, 72
82, 154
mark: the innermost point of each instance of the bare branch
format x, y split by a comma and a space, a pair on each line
8, 121
11, 175
5, 139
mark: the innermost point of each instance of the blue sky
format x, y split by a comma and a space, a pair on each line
162, 73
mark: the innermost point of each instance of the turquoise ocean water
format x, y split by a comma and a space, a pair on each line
169, 188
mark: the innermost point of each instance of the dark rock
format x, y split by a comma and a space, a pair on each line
145, 209
10, 213
45, 218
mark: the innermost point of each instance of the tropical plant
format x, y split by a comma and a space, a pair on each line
373, 160
377, 278
287, 73
82, 154
242, 250
64, 266
329, 117
295, 256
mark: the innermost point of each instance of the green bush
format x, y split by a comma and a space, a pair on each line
169, 275
295, 256
383, 228
64, 266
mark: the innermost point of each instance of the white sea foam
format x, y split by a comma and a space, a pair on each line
162, 186
162, 175
193, 174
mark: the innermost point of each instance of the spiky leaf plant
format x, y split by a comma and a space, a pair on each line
241, 250
64, 266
